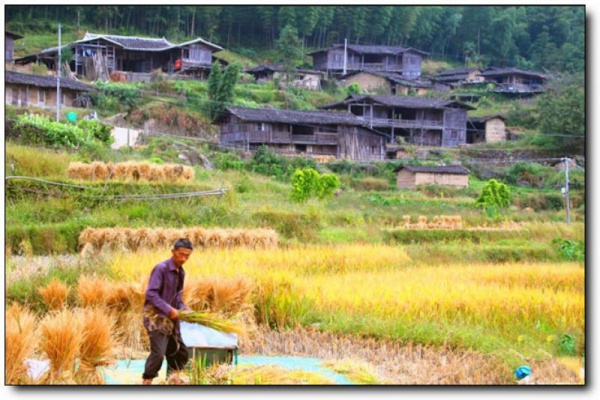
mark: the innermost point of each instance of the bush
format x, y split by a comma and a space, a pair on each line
99, 131
494, 194
569, 249
307, 183
39, 130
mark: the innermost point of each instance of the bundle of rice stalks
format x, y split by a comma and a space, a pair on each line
96, 348
55, 294
274, 375
61, 337
406, 221
20, 342
92, 291
422, 221
219, 295
130, 171
357, 371
213, 321
125, 301
147, 238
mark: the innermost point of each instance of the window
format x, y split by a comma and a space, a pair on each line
260, 126
41, 98
186, 54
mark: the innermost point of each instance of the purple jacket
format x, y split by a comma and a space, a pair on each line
165, 289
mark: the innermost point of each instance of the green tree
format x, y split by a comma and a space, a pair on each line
562, 111
289, 47
307, 183
214, 87
494, 195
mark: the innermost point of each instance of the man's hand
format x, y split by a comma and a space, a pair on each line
173, 314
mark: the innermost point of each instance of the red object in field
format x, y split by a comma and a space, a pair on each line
178, 64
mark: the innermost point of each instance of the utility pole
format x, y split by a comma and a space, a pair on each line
58, 79
565, 190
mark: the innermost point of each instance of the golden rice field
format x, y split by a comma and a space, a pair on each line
466, 305
488, 317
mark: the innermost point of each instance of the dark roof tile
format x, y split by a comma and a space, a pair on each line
44, 81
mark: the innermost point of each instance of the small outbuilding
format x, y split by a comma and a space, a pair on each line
486, 129
408, 176
40, 91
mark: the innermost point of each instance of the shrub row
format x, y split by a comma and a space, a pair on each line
412, 236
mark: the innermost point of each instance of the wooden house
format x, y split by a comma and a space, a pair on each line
407, 177
421, 121
486, 129
459, 77
40, 91
9, 45
303, 78
516, 81
387, 83
404, 61
131, 54
317, 133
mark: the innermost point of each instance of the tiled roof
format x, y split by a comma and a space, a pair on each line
368, 49
401, 101
15, 36
294, 117
44, 81
493, 71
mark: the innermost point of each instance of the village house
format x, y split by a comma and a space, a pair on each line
404, 61
303, 78
385, 83
407, 177
516, 81
486, 129
459, 77
130, 54
421, 121
9, 43
40, 91
315, 133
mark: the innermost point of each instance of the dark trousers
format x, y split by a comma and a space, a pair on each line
162, 345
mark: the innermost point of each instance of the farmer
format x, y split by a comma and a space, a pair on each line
163, 300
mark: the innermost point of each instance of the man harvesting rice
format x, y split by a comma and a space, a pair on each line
161, 318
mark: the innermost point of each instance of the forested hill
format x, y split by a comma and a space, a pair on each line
533, 37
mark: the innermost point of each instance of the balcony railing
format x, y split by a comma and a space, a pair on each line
279, 137
403, 123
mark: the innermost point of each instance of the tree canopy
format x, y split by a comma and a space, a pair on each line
540, 37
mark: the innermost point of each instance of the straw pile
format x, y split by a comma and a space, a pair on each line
130, 171
20, 343
97, 346
61, 338
92, 291
274, 375
55, 294
149, 238
438, 222
125, 302
226, 296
